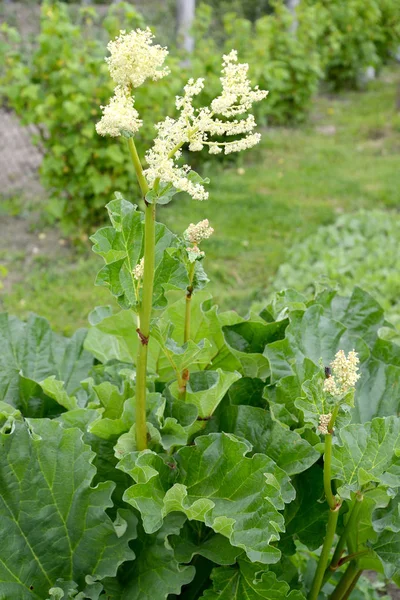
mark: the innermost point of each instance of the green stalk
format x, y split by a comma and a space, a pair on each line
350, 525
189, 294
334, 505
347, 582
147, 302
330, 498
352, 585
324, 557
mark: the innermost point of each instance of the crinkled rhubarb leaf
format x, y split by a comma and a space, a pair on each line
247, 581
368, 453
31, 353
216, 483
54, 521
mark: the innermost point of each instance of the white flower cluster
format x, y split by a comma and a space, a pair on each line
196, 233
119, 115
138, 271
133, 59
344, 374
194, 253
197, 127
324, 421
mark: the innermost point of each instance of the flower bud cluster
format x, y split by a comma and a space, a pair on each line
344, 374
138, 271
199, 232
324, 421
133, 59
196, 234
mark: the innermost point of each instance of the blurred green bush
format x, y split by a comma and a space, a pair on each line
283, 58
358, 249
355, 35
60, 87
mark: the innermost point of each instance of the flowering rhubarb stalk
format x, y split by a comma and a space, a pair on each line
133, 60
341, 380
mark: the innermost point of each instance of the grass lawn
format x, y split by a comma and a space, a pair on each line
346, 157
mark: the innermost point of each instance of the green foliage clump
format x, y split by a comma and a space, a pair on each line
60, 87
226, 501
283, 59
358, 249
355, 35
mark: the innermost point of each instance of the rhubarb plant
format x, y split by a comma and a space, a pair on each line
177, 451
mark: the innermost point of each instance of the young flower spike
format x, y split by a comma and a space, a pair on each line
323, 423
344, 374
139, 269
196, 127
134, 58
196, 233
119, 116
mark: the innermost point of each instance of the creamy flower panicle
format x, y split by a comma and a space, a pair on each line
344, 374
134, 58
196, 127
119, 115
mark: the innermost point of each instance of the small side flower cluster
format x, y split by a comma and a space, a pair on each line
138, 271
196, 234
344, 374
324, 421
197, 127
133, 59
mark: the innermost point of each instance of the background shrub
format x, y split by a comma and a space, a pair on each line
282, 59
355, 35
60, 87
358, 249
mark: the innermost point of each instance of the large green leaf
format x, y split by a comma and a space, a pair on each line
287, 448
248, 582
115, 337
214, 482
205, 389
333, 323
30, 354
122, 246
378, 390
368, 453
247, 341
54, 521
197, 539
155, 574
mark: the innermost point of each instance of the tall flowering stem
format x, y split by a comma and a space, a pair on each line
342, 380
146, 304
133, 59
334, 508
